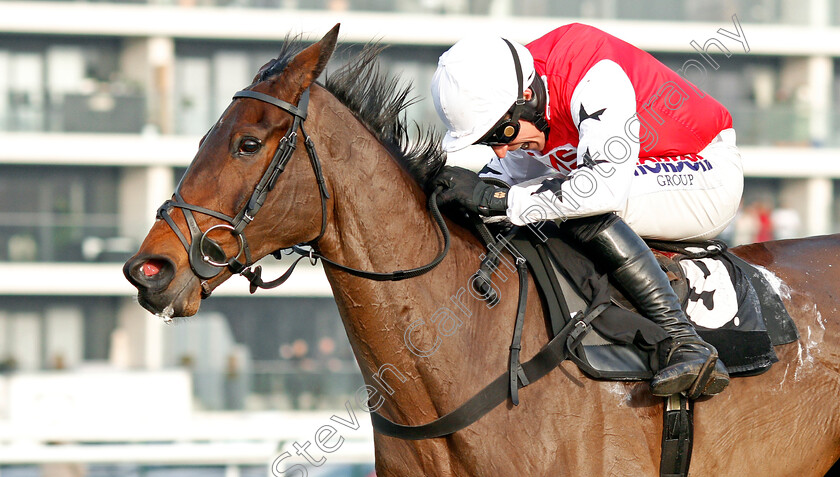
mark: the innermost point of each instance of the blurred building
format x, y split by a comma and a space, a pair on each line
102, 105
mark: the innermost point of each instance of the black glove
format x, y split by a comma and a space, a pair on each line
464, 187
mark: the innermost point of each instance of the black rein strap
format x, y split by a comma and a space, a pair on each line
206, 265
254, 277
398, 274
495, 393
207, 259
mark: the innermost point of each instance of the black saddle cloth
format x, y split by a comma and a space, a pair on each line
628, 346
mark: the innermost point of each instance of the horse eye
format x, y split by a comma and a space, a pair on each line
249, 146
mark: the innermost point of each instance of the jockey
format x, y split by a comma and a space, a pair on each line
597, 135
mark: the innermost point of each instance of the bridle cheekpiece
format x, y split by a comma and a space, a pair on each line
208, 259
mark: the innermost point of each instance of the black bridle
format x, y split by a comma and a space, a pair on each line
207, 258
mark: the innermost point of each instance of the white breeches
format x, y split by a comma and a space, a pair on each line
689, 199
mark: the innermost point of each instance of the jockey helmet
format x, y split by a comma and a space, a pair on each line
478, 92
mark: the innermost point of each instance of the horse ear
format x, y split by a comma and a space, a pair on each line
310, 63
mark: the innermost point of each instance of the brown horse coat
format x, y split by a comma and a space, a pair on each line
784, 422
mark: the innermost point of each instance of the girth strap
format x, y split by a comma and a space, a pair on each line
677, 437
515, 371
495, 393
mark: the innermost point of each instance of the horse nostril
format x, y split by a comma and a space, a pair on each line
153, 267
151, 273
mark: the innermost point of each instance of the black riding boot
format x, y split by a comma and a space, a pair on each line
692, 366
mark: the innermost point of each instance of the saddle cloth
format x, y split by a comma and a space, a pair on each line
718, 293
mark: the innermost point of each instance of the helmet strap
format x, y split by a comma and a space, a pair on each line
507, 128
520, 100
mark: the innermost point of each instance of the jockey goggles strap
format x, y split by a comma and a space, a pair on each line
507, 128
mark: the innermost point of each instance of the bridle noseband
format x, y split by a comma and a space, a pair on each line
207, 258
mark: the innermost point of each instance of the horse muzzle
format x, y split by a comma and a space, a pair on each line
160, 289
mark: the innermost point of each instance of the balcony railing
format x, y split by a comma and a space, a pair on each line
752, 11
33, 111
278, 385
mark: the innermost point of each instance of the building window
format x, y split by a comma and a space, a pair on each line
283, 353
66, 86
60, 214
55, 332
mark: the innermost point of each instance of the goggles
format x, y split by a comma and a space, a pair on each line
503, 132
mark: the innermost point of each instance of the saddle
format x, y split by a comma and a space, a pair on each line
608, 339
718, 291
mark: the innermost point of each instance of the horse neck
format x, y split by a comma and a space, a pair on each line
378, 215
379, 221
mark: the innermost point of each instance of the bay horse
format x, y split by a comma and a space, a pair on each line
370, 213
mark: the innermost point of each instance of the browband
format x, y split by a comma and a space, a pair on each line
299, 111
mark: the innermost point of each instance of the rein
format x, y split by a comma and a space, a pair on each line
207, 258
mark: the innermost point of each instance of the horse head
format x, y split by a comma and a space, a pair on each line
254, 159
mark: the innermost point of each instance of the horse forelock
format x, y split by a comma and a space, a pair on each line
290, 48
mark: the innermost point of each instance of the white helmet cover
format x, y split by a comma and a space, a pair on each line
475, 85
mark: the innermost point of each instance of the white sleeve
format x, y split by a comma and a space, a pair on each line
601, 105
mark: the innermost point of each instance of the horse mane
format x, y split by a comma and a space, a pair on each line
379, 102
